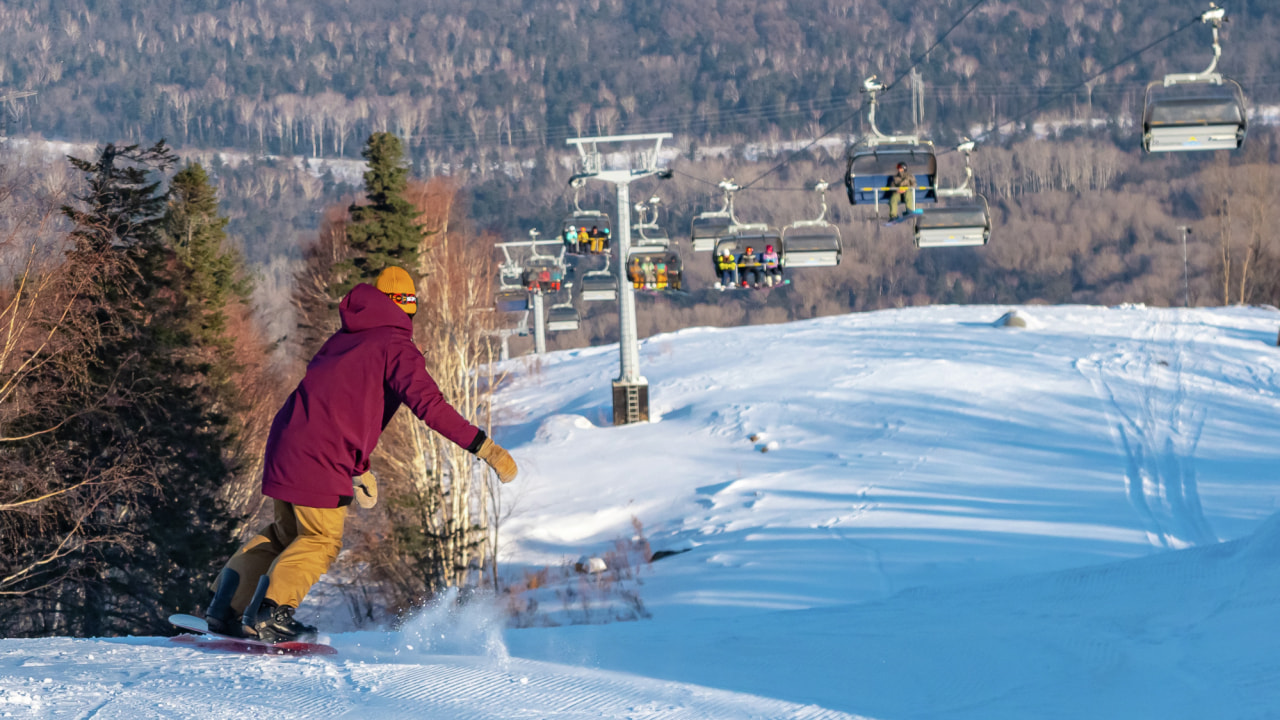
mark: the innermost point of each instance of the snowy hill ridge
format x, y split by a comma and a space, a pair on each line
952, 519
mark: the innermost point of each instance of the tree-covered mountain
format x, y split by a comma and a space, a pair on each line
317, 77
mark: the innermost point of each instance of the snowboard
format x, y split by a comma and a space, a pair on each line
903, 218
784, 281
213, 641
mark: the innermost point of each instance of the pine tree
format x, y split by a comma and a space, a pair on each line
212, 276
146, 409
385, 231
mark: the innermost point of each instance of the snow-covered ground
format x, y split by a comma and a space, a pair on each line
951, 519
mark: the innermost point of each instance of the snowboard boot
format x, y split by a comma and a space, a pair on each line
275, 624
219, 615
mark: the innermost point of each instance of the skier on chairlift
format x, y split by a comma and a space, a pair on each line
772, 268
901, 185
749, 268
727, 268
649, 270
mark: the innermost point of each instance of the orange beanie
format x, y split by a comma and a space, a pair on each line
398, 286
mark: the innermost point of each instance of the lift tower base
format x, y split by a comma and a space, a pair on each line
630, 402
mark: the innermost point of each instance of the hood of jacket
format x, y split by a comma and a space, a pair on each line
365, 308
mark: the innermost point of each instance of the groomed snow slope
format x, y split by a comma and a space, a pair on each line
952, 520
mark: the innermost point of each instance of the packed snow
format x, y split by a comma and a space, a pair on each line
915, 513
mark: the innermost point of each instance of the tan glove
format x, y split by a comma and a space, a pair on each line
366, 490
498, 459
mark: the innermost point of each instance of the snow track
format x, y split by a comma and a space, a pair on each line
1157, 427
95, 680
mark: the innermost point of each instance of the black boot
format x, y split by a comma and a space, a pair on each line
275, 624
219, 615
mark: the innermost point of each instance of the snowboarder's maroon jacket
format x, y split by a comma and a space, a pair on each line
323, 435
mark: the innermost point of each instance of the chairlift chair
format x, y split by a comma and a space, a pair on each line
1189, 112
871, 165
811, 243
873, 161
707, 226
600, 285
562, 318
513, 300
756, 236
513, 293
963, 224
668, 271
580, 219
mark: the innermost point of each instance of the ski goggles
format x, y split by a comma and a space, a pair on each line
403, 298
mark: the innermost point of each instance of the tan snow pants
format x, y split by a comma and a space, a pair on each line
294, 551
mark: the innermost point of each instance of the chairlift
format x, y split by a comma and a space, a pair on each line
1187, 112
964, 224
594, 222
515, 300
873, 162
547, 273
811, 243
562, 318
600, 285
513, 293
666, 273
707, 226
756, 236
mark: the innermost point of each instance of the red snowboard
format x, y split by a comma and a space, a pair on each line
213, 641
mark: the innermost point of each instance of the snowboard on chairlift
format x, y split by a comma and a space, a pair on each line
199, 635
903, 218
761, 286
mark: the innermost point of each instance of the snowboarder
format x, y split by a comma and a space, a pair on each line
902, 185
319, 441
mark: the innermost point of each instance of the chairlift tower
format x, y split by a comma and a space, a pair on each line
631, 389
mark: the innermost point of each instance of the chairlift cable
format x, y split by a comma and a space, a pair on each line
1072, 89
850, 118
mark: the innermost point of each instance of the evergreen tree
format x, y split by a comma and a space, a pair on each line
212, 275
385, 231
151, 411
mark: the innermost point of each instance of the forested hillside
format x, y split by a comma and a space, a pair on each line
317, 77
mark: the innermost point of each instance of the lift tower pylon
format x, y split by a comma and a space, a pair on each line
631, 389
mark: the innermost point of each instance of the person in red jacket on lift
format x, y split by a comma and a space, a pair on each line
320, 440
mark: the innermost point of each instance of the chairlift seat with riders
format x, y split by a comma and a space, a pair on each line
1187, 112
873, 161
669, 271
755, 236
872, 165
587, 220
